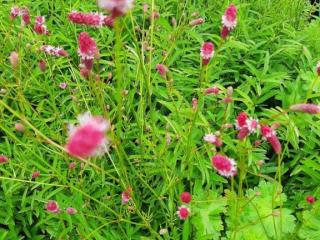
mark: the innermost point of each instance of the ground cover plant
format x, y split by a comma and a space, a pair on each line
159, 119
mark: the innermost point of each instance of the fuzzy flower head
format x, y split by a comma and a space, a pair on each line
39, 26
71, 211
14, 59
270, 135
206, 52
229, 19
306, 108
116, 7
246, 125
183, 212
87, 46
52, 206
213, 90
213, 139
35, 174
224, 166
91, 19
88, 138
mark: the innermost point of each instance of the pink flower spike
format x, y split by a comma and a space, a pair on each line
185, 197
91, 19
229, 19
52, 206
155, 15
88, 139
14, 59
3, 159
213, 90
40, 20
42, 65
225, 166
87, 46
25, 15
126, 196
15, 11
241, 120
116, 7
196, 22
63, 85
54, 51
71, 211
162, 70
207, 52
306, 108
39, 26
213, 139
225, 32
183, 212
72, 165
35, 174
270, 135
310, 199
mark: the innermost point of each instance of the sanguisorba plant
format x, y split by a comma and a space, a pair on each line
190, 127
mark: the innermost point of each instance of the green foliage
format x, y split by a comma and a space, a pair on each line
309, 229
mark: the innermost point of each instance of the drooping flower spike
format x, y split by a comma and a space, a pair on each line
306, 108
213, 139
88, 50
229, 21
213, 90
270, 135
196, 22
183, 212
88, 138
207, 52
39, 26
54, 51
91, 19
246, 126
116, 7
225, 166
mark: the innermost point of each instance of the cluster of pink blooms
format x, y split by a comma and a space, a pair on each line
207, 52
116, 7
91, 19
246, 126
53, 207
39, 26
89, 138
23, 12
54, 51
224, 166
306, 108
183, 211
87, 51
126, 196
229, 21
